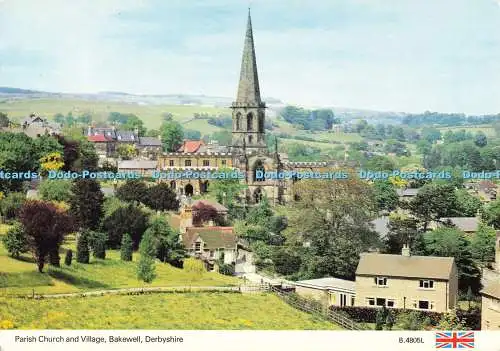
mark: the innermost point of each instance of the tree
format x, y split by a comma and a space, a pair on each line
480, 139
192, 134
88, 158
97, 241
126, 248
286, 262
450, 321
51, 162
171, 135
195, 268
55, 190
468, 205
134, 190
136, 124
451, 242
403, 230
433, 202
491, 214
68, 258
86, 203
45, 226
166, 241
10, 205
83, 248
4, 120
483, 245
130, 219
17, 153
161, 197
333, 218
154, 133
126, 151
146, 264
228, 190
203, 213
15, 241
385, 195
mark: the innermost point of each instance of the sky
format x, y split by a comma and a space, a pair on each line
391, 55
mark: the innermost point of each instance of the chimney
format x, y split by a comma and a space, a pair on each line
405, 251
186, 217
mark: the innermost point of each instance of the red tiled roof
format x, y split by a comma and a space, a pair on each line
97, 138
191, 146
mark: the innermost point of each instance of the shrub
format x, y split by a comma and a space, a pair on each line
10, 205
68, 258
126, 248
82, 248
226, 269
15, 241
369, 314
98, 244
146, 265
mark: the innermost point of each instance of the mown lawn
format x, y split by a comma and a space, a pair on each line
20, 276
189, 311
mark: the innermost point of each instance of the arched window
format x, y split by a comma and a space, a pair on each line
238, 121
257, 195
261, 122
250, 121
258, 166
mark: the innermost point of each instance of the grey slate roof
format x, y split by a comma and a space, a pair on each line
125, 136
431, 267
328, 283
466, 224
137, 164
149, 141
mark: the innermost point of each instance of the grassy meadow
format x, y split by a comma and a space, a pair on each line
20, 276
188, 311
150, 114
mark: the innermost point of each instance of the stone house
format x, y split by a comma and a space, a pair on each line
490, 295
329, 291
405, 281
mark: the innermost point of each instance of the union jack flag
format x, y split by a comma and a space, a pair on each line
455, 340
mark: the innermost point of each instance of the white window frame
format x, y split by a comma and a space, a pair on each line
393, 303
378, 281
429, 282
196, 247
430, 304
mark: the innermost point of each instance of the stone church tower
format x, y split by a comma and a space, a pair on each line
248, 109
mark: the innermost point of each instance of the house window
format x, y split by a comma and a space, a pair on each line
171, 163
427, 284
425, 305
197, 246
212, 253
223, 162
380, 281
352, 300
206, 163
370, 301
380, 301
390, 303
187, 163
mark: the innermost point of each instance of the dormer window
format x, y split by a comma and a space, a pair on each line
197, 246
380, 281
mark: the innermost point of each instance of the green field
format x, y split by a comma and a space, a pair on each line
20, 277
202, 125
189, 311
486, 129
150, 114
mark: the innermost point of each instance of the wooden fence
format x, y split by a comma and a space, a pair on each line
314, 308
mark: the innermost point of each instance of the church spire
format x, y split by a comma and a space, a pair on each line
248, 88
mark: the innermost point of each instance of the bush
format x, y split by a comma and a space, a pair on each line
369, 314
146, 265
226, 269
82, 248
98, 244
126, 248
15, 241
68, 258
11, 204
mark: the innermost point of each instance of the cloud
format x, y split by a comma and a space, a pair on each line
386, 54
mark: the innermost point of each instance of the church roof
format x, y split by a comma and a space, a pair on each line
248, 88
191, 146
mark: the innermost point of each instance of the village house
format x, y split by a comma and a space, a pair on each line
329, 291
468, 225
406, 281
144, 168
490, 295
34, 126
149, 147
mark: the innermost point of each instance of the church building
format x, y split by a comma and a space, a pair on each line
248, 151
